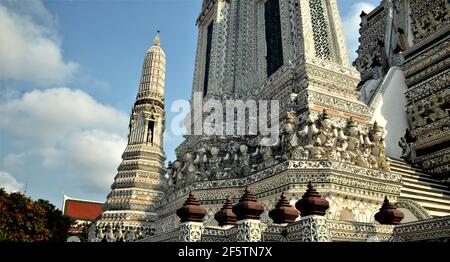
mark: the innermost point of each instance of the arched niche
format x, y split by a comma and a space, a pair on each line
346, 215
412, 210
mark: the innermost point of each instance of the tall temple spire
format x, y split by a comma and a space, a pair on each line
140, 181
153, 74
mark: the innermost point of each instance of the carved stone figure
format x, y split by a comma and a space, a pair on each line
266, 151
189, 170
201, 160
119, 233
406, 149
378, 147
316, 152
383, 161
423, 111
110, 233
132, 235
170, 172
308, 134
267, 156
326, 134
100, 234
342, 146
418, 29
432, 21
416, 118
371, 161
228, 164
289, 138
437, 108
244, 160
177, 174
354, 144
293, 106
376, 136
215, 162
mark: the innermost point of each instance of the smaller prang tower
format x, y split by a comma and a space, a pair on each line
139, 183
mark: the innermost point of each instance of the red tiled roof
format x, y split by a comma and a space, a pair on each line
82, 210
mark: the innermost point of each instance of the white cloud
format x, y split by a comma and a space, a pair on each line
29, 47
69, 133
351, 25
14, 160
45, 116
9, 183
89, 157
34, 9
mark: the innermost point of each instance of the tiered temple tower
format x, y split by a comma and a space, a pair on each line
292, 51
139, 183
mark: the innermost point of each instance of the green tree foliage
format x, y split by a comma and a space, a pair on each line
57, 223
25, 220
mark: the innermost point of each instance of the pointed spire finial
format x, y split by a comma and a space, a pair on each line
389, 214
157, 41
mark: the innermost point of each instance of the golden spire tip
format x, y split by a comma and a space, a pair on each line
157, 40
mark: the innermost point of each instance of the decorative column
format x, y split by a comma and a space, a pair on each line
313, 224
389, 214
225, 216
283, 213
191, 215
248, 212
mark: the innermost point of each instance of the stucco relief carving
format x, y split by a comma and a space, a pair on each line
429, 111
322, 140
428, 17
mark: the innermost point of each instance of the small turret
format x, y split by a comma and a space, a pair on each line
389, 214
225, 216
191, 210
312, 203
248, 207
283, 212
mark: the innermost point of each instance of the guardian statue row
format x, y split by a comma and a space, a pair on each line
316, 140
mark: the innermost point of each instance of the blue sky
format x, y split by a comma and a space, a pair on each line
69, 73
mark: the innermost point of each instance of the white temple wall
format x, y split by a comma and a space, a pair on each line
390, 110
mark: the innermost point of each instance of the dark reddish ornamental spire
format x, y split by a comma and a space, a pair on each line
191, 210
312, 203
389, 214
248, 207
225, 216
283, 212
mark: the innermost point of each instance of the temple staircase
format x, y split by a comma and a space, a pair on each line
431, 194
